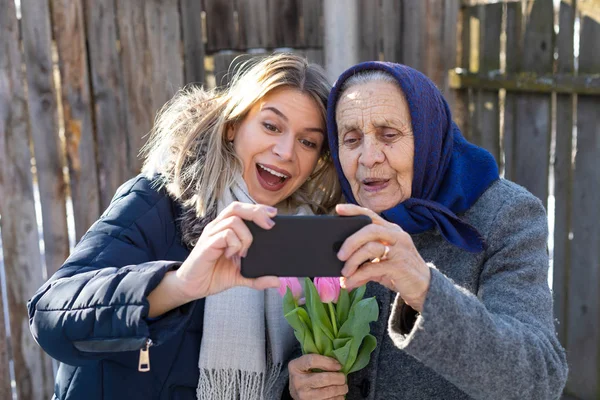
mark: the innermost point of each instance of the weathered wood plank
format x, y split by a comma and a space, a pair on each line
533, 112
514, 49
434, 64
138, 76
312, 28
461, 104
254, 24
284, 23
49, 157
107, 90
486, 127
5, 384
474, 17
391, 30
193, 43
369, 32
341, 45
449, 52
223, 66
469, 3
220, 26
563, 174
315, 56
33, 370
69, 34
562, 83
413, 33
583, 335
163, 30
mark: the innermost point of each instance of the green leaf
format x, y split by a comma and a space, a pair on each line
324, 344
293, 318
316, 310
357, 327
338, 343
304, 317
357, 294
288, 302
306, 343
364, 354
361, 314
301, 331
341, 354
342, 308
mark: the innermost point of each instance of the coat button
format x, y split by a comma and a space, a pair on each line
365, 388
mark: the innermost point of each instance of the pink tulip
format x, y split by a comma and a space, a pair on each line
328, 288
293, 284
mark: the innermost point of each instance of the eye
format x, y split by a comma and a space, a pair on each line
390, 134
351, 139
270, 127
308, 143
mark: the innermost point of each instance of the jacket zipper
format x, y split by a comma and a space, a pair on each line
144, 363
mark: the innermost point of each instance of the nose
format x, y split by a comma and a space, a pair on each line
372, 152
284, 147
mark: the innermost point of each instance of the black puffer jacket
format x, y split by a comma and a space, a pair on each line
91, 315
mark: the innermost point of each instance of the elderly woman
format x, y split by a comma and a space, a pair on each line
456, 256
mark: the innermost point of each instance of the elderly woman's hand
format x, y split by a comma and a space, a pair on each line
305, 384
382, 252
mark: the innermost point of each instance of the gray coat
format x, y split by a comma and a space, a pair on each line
486, 330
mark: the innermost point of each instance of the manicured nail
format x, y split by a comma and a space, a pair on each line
271, 210
271, 223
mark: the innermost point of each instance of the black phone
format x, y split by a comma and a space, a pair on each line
299, 245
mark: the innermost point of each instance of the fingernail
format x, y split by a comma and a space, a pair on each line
244, 253
343, 283
271, 223
271, 210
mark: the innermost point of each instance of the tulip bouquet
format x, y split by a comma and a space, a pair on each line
331, 321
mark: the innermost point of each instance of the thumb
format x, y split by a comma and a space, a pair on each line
262, 283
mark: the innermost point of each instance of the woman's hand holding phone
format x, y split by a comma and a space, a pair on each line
214, 264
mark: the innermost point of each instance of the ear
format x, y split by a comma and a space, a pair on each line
231, 130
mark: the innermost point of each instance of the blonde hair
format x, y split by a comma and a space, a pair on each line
188, 146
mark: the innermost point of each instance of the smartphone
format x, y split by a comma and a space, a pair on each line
299, 245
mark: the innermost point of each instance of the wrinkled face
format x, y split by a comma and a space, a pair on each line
376, 144
279, 143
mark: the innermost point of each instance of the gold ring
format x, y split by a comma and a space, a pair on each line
386, 251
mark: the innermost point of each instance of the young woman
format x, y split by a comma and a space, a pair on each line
141, 309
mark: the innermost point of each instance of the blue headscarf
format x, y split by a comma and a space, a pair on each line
450, 174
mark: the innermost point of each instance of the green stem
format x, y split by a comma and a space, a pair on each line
332, 312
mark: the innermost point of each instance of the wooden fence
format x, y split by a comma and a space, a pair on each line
81, 81
531, 95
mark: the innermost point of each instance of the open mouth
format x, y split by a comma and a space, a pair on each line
375, 184
270, 178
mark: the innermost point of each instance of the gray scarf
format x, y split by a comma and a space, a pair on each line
246, 340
